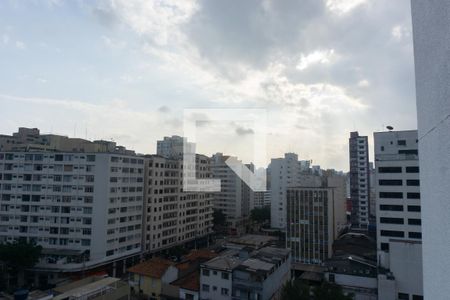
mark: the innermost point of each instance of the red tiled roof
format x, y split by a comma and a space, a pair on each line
155, 267
200, 254
189, 282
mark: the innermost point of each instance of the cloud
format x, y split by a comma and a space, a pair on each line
164, 109
5, 39
244, 131
316, 57
343, 6
20, 45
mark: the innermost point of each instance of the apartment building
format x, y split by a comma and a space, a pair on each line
234, 197
260, 199
173, 216
173, 147
245, 274
310, 230
84, 209
359, 180
399, 233
283, 173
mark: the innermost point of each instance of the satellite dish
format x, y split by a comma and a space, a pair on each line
390, 128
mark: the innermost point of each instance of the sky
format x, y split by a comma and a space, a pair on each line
126, 70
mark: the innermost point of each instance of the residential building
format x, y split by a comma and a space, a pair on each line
173, 216
245, 274
173, 147
431, 20
83, 208
284, 173
234, 197
260, 200
152, 278
359, 180
310, 231
399, 233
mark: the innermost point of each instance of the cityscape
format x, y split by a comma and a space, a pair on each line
228, 207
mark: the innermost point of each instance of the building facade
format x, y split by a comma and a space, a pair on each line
84, 209
173, 216
431, 20
284, 173
397, 187
359, 180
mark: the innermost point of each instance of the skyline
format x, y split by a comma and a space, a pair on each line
126, 71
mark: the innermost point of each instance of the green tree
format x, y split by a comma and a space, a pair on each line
219, 218
328, 291
296, 290
260, 215
19, 256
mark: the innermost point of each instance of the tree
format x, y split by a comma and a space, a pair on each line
299, 290
219, 218
296, 290
19, 256
260, 215
328, 291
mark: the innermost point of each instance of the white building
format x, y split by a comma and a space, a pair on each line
234, 197
398, 210
283, 173
359, 180
431, 23
315, 217
84, 209
173, 216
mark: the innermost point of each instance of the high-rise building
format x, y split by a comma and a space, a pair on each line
310, 231
234, 197
431, 23
173, 216
173, 147
399, 237
84, 208
359, 180
284, 173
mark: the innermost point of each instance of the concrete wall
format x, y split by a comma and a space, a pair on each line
431, 23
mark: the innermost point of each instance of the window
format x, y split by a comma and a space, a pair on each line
390, 169
385, 247
403, 296
205, 287
415, 235
205, 272
409, 151
414, 208
90, 157
224, 291
412, 169
390, 182
417, 297
413, 182
392, 220
414, 222
401, 142
413, 195
225, 275
392, 233
392, 195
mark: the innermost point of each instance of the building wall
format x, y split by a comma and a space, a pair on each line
65, 201
310, 224
214, 279
431, 20
184, 292
359, 179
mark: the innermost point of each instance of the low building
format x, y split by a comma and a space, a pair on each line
356, 275
245, 274
152, 277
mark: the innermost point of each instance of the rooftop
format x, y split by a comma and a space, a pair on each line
155, 267
189, 282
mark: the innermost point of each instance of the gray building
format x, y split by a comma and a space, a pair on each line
431, 23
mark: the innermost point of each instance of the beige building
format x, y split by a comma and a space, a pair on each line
172, 216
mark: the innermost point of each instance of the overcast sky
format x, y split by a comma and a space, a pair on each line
126, 70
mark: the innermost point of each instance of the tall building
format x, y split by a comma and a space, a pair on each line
399, 237
234, 197
359, 180
310, 231
284, 173
172, 147
431, 21
173, 216
84, 208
